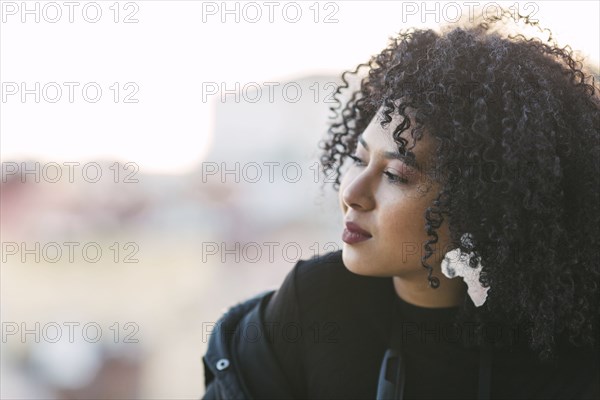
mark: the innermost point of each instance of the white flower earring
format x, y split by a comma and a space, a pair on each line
456, 263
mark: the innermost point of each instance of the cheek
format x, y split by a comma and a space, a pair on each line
403, 221
404, 225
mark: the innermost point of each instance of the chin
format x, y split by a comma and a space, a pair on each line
364, 264
357, 265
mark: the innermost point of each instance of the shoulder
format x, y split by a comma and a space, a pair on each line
221, 375
573, 373
319, 308
236, 345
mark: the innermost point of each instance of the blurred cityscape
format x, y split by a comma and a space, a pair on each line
110, 284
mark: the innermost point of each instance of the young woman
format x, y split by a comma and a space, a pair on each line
470, 266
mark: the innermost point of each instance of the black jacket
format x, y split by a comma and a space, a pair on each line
231, 338
241, 362
235, 334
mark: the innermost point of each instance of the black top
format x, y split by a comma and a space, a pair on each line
330, 328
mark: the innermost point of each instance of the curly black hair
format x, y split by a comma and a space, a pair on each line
516, 121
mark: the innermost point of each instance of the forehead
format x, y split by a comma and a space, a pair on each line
380, 138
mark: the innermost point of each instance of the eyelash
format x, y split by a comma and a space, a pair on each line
392, 178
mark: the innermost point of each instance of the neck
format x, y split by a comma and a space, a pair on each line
416, 290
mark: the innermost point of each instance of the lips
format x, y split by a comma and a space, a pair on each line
354, 228
354, 234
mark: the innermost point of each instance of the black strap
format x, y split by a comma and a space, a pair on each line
485, 372
392, 374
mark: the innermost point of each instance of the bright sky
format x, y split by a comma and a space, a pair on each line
163, 60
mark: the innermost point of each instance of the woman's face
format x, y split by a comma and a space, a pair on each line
387, 198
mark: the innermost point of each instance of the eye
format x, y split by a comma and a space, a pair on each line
392, 178
395, 179
357, 161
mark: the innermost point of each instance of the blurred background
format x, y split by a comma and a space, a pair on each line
160, 164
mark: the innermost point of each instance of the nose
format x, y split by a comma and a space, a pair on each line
357, 191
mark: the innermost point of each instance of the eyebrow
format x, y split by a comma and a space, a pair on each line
409, 159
